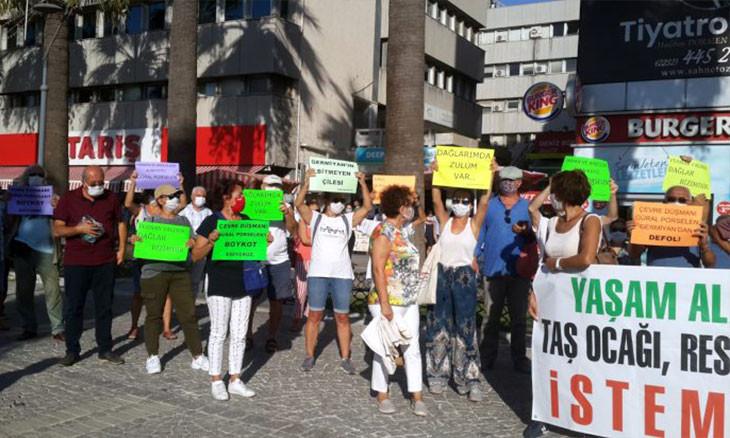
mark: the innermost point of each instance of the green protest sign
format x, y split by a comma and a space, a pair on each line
263, 204
162, 242
241, 240
335, 176
597, 172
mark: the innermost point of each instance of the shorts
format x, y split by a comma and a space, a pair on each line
340, 289
280, 282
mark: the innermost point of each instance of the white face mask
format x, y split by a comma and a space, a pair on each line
557, 205
35, 180
461, 210
408, 213
199, 201
270, 188
337, 207
348, 209
172, 204
95, 191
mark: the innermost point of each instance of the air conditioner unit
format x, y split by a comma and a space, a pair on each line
497, 108
500, 73
535, 32
540, 69
501, 38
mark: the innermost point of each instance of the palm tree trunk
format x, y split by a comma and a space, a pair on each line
56, 143
182, 88
404, 111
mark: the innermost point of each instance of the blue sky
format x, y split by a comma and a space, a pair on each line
521, 2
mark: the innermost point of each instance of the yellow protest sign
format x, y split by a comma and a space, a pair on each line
694, 175
665, 224
380, 182
467, 168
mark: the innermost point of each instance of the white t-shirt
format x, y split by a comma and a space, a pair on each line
278, 251
367, 226
195, 217
541, 233
330, 255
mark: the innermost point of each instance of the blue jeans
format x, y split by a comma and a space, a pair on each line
340, 289
453, 319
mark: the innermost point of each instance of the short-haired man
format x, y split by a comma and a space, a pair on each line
196, 212
90, 219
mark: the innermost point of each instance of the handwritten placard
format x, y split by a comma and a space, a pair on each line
162, 242
263, 204
152, 175
381, 182
467, 168
694, 175
30, 200
597, 172
335, 176
665, 224
241, 240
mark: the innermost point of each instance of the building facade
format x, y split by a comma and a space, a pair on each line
279, 80
525, 45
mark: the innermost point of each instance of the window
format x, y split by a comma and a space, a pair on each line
441, 79
487, 108
489, 71
284, 9
260, 8
232, 87
234, 10
282, 86
431, 75
107, 95
88, 24
156, 91
444, 16
383, 53
259, 85
434, 10
452, 22
84, 95
206, 11
12, 37
515, 34
111, 27
514, 69
541, 68
450, 83
556, 66
207, 89
570, 65
558, 29
156, 19
572, 28
31, 99
528, 68
460, 28
134, 20
34, 29
132, 93
513, 105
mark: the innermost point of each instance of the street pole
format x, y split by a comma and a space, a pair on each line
42, 118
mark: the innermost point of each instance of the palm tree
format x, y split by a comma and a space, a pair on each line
182, 87
404, 111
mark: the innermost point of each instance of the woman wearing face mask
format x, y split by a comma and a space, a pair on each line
330, 270
618, 241
451, 330
35, 251
169, 280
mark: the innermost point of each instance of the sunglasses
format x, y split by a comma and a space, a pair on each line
679, 199
465, 201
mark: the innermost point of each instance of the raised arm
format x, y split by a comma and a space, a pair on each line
439, 209
367, 201
535, 204
129, 197
612, 213
183, 197
586, 256
481, 213
303, 233
289, 220
706, 254
421, 218
304, 211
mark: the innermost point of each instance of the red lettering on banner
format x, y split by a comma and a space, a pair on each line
714, 414
617, 388
72, 142
651, 409
669, 127
131, 147
582, 413
104, 147
554, 405
118, 146
87, 149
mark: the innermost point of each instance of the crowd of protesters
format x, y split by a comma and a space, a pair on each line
496, 237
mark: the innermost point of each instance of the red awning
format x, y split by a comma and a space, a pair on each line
208, 176
8, 174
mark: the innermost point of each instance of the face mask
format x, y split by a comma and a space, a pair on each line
95, 191
199, 201
35, 180
239, 205
408, 213
460, 210
337, 207
270, 188
618, 236
348, 210
172, 204
557, 205
508, 187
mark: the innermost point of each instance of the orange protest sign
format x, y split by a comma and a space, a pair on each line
380, 182
665, 224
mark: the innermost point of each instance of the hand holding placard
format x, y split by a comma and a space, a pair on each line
30, 200
598, 173
153, 175
657, 224
335, 176
241, 240
467, 168
263, 204
162, 242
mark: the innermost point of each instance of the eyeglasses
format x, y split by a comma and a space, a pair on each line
679, 199
508, 216
465, 201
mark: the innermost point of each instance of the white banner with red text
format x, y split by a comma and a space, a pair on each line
114, 147
628, 351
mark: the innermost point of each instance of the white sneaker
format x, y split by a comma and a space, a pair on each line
218, 390
237, 387
201, 363
153, 365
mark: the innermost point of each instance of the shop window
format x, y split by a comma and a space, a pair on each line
156, 19
132, 93
570, 65
514, 69
556, 66
558, 29
206, 11
572, 28
234, 10
260, 8
134, 25
528, 68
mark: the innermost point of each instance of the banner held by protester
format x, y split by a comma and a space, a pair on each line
467, 168
660, 224
241, 240
162, 242
153, 175
30, 200
380, 182
334, 176
598, 173
694, 175
263, 204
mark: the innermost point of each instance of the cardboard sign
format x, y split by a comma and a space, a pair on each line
694, 175
599, 176
263, 204
665, 224
334, 176
466, 168
153, 175
30, 200
162, 242
241, 240
381, 182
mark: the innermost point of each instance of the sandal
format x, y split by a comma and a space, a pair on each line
271, 346
169, 335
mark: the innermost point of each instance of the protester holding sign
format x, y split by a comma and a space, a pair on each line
451, 330
720, 242
35, 251
330, 271
196, 212
695, 256
229, 298
168, 279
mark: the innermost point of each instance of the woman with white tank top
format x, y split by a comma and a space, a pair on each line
451, 331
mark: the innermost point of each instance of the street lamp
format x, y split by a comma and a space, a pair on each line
46, 8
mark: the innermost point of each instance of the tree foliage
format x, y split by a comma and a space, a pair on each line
111, 8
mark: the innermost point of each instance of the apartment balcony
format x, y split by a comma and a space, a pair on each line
530, 50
